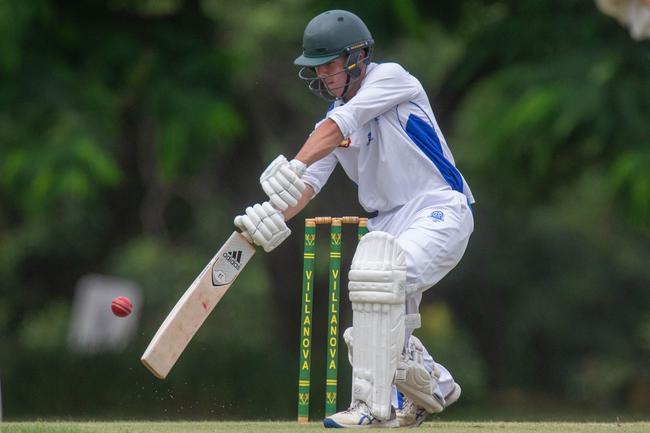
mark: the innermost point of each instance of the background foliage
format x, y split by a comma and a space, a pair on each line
131, 133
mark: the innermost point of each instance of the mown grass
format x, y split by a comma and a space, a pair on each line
290, 427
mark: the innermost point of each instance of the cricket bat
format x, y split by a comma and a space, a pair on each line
195, 305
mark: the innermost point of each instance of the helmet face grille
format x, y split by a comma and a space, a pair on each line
352, 69
315, 84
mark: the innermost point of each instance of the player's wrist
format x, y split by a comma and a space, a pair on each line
298, 167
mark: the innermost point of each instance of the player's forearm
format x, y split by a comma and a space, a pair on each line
307, 195
320, 143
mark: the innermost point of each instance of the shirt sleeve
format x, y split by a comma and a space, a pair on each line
386, 86
319, 172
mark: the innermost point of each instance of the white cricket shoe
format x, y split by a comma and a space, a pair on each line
359, 416
410, 415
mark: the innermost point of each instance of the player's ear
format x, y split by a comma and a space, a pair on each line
364, 58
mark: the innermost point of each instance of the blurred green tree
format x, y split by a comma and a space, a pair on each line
131, 132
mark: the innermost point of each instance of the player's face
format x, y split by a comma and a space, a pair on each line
333, 75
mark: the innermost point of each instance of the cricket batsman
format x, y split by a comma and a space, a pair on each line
380, 127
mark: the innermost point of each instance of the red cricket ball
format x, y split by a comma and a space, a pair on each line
121, 306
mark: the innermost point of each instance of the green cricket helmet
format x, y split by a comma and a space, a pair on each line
328, 36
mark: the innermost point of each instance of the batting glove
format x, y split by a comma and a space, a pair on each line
281, 182
264, 224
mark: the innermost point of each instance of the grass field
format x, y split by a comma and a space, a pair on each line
290, 427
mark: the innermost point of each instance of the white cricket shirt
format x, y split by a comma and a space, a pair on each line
397, 152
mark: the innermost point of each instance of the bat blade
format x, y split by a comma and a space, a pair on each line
195, 305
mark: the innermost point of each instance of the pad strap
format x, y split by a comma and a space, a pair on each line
412, 321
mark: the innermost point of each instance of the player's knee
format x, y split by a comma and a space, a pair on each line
378, 270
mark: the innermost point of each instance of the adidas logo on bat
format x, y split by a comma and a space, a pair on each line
234, 258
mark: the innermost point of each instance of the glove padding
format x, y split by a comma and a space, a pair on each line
264, 224
281, 182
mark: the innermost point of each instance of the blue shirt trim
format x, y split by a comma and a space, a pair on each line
425, 138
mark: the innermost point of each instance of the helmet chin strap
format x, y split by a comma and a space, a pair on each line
347, 85
352, 69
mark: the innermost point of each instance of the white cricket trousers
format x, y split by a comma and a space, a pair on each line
433, 231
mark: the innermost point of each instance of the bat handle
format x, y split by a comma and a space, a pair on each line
247, 236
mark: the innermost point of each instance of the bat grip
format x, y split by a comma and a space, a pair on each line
247, 236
